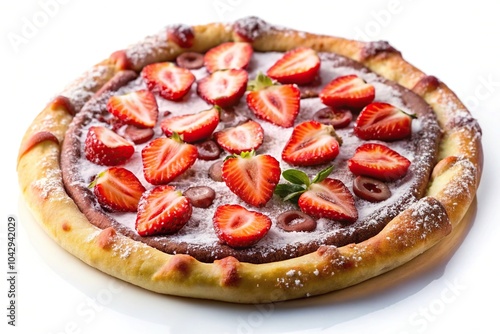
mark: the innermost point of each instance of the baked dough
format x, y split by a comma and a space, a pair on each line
450, 192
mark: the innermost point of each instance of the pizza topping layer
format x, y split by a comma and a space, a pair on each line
214, 156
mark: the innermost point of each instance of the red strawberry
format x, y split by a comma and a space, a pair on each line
192, 127
137, 108
229, 55
117, 189
330, 199
251, 177
278, 104
299, 66
238, 227
168, 80
162, 210
105, 147
348, 91
166, 158
311, 143
223, 88
242, 138
378, 161
383, 121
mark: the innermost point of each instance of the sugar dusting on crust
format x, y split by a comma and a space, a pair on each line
50, 186
426, 216
82, 90
150, 47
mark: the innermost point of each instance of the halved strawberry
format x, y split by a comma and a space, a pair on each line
320, 197
223, 88
378, 161
330, 199
278, 104
349, 91
238, 227
137, 108
192, 127
298, 66
117, 189
383, 121
241, 138
166, 158
311, 143
105, 147
162, 210
251, 177
168, 80
229, 55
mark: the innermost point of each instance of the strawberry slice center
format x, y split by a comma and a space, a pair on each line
111, 139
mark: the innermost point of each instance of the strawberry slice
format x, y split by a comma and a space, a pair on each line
168, 80
383, 121
330, 199
349, 91
162, 210
117, 189
138, 108
242, 138
378, 161
238, 227
278, 104
192, 127
223, 88
251, 177
229, 55
298, 66
104, 147
311, 143
166, 158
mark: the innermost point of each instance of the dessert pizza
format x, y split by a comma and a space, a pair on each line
247, 162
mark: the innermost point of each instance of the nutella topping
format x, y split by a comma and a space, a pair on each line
197, 238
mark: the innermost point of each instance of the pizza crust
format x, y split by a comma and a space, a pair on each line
451, 191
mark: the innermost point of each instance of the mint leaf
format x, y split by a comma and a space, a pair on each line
296, 177
294, 197
323, 174
285, 189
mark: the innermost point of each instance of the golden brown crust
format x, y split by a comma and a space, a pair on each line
451, 191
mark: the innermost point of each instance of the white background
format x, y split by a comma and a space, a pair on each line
456, 41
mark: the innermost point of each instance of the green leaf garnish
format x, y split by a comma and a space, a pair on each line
299, 183
285, 189
323, 174
261, 82
296, 177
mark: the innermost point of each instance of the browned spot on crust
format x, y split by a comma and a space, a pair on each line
378, 48
443, 165
66, 226
181, 34
36, 139
64, 103
106, 238
427, 84
180, 263
121, 61
250, 28
229, 268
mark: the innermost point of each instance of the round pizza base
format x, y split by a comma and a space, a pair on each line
418, 228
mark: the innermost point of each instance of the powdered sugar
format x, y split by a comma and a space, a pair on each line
199, 231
